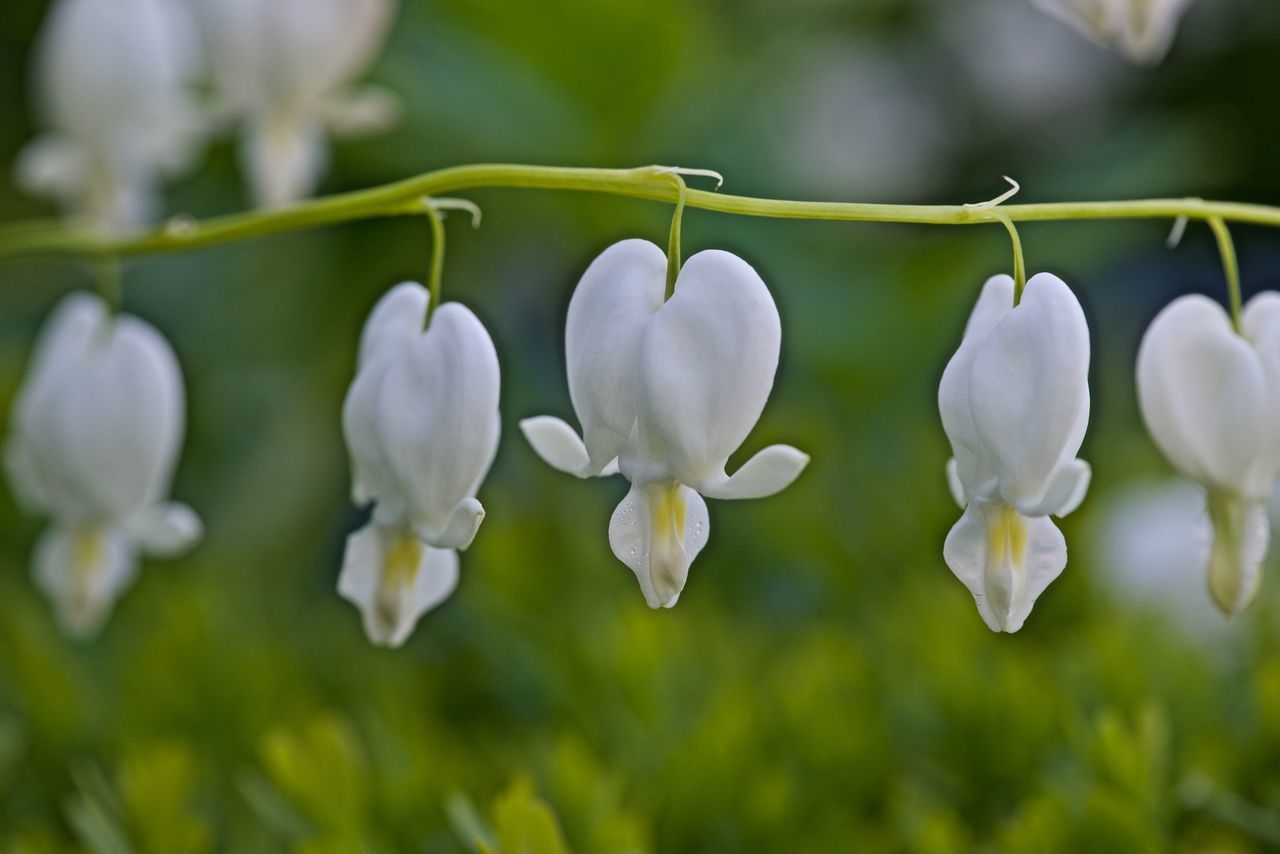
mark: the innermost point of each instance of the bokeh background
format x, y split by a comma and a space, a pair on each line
825, 684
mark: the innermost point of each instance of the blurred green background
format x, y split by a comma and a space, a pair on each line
825, 684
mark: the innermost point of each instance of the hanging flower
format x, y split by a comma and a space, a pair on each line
94, 438
421, 424
284, 69
1142, 30
665, 392
112, 80
1015, 405
1211, 399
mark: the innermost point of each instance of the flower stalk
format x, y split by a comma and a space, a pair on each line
435, 270
106, 274
1230, 268
674, 258
1019, 261
433, 210
403, 197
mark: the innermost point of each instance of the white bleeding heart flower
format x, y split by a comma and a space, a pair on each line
1014, 401
665, 392
421, 424
1210, 398
113, 94
1142, 30
94, 437
285, 70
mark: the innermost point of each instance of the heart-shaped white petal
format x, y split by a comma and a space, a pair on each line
394, 578
1029, 390
98, 427
370, 468
1261, 325
1005, 559
422, 427
103, 65
657, 531
972, 460
1203, 394
121, 423
706, 370
395, 322
76, 322
611, 307
284, 56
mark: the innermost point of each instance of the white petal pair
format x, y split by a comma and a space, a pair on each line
95, 435
1014, 401
285, 69
112, 82
421, 423
665, 392
1142, 30
1211, 399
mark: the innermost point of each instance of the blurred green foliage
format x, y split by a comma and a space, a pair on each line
824, 684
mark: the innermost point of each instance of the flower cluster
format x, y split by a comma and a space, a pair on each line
1015, 404
116, 89
669, 369
666, 389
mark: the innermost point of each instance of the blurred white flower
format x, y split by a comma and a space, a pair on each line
1150, 541
111, 83
1014, 401
665, 392
285, 69
94, 437
1211, 399
1142, 30
421, 424
1024, 92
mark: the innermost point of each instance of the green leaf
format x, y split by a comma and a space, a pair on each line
524, 824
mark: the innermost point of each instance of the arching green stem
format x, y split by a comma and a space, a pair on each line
1230, 268
403, 197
